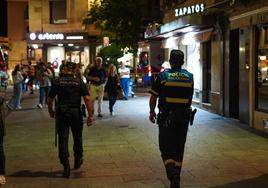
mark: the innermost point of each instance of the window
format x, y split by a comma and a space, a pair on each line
262, 70
57, 11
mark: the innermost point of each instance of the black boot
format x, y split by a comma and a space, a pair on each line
66, 171
175, 181
77, 163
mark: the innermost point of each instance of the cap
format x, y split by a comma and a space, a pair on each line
176, 55
70, 65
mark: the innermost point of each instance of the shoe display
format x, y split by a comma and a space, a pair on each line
40, 106
66, 171
78, 163
2, 180
175, 182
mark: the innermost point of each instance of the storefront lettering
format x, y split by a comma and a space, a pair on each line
47, 36
190, 10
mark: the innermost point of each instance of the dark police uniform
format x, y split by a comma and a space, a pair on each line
174, 88
69, 90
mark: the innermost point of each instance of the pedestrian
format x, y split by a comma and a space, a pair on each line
173, 89
31, 76
17, 77
44, 75
124, 73
68, 89
97, 77
111, 87
2, 134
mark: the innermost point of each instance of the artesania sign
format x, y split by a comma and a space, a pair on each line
47, 36
190, 10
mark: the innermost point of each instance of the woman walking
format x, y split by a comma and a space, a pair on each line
17, 77
111, 87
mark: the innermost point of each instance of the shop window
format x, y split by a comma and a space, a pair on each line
262, 70
58, 13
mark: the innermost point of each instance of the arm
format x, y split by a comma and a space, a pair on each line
88, 104
50, 107
152, 105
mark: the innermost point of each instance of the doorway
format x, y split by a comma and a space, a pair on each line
234, 74
206, 94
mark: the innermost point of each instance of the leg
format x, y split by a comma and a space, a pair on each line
127, 82
2, 155
93, 95
42, 94
100, 98
77, 129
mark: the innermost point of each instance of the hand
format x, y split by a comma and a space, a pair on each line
152, 117
89, 121
52, 113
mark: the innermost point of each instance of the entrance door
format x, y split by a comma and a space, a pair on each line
206, 97
234, 74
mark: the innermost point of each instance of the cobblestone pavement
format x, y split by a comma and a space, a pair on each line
122, 151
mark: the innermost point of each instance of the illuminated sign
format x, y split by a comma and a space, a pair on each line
47, 36
198, 8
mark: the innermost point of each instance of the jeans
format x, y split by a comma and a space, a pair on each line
14, 102
124, 82
43, 94
112, 100
2, 156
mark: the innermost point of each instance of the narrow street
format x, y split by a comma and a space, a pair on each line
122, 151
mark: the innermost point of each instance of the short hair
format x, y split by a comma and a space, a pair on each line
176, 57
99, 59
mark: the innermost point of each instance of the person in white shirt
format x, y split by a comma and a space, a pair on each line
124, 73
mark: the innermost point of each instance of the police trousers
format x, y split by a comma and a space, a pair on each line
70, 118
172, 137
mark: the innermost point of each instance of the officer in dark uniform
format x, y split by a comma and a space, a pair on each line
68, 89
174, 90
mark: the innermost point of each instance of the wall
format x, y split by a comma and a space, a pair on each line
16, 32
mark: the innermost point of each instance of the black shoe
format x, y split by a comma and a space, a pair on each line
100, 115
175, 182
78, 163
66, 171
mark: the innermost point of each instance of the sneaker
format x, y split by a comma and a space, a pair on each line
175, 182
78, 163
40, 106
100, 115
112, 113
9, 107
2, 180
18, 108
66, 171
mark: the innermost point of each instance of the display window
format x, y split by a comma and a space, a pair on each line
262, 69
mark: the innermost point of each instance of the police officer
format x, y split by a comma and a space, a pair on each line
69, 90
174, 89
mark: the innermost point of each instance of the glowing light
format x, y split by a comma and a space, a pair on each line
262, 57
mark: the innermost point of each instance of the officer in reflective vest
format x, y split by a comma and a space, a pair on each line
174, 89
68, 89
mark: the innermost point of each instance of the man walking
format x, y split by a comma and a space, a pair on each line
97, 77
173, 89
68, 89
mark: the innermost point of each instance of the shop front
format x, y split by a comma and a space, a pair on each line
55, 47
252, 49
191, 32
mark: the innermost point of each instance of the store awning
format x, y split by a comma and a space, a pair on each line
191, 23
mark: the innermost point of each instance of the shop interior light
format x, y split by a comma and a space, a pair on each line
75, 37
263, 57
70, 44
60, 44
188, 38
186, 30
35, 46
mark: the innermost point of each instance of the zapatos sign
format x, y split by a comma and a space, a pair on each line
198, 8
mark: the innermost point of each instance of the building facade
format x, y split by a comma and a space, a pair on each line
225, 46
50, 31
